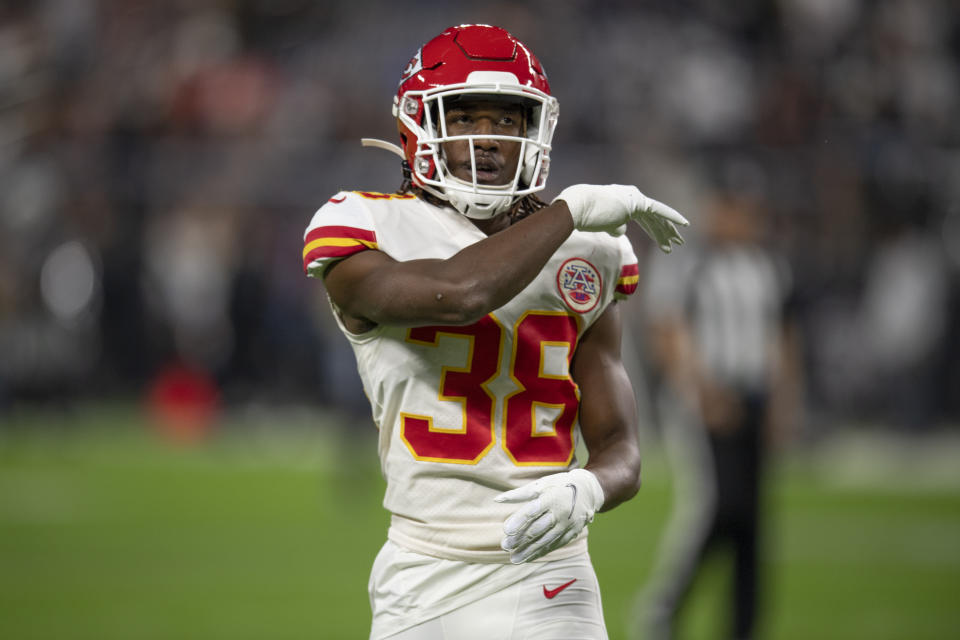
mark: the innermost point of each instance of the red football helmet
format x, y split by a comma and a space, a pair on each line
474, 60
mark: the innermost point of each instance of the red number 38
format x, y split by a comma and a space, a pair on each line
537, 417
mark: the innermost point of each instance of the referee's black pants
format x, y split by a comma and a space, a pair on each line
726, 520
737, 469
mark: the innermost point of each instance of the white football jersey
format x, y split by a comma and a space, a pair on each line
467, 412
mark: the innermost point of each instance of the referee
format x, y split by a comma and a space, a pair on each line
724, 355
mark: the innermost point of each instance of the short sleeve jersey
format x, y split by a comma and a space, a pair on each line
466, 412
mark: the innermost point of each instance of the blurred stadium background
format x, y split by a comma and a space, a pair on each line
185, 450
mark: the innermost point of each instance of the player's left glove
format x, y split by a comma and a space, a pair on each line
557, 508
660, 222
607, 208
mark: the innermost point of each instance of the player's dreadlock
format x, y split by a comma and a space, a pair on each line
525, 206
520, 210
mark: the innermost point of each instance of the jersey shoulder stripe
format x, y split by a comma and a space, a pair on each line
336, 241
629, 277
629, 270
343, 226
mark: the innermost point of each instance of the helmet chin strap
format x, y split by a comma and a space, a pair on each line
478, 206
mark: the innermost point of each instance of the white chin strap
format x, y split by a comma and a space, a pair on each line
478, 206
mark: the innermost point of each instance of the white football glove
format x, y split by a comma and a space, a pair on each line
557, 508
609, 207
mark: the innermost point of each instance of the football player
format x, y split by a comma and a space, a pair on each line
487, 336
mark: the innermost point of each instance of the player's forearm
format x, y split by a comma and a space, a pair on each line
488, 274
617, 467
609, 426
458, 290
608, 410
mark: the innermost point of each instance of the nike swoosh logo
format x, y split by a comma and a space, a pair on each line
552, 593
337, 200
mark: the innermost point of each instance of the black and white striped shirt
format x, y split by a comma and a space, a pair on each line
733, 299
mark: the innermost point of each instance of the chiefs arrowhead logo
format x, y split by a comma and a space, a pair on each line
414, 66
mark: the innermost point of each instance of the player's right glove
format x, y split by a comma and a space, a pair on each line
554, 510
609, 207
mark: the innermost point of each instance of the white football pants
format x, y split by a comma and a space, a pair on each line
554, 600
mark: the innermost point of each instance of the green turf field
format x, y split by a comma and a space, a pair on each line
269, 529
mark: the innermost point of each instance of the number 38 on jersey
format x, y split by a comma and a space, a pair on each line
537, 411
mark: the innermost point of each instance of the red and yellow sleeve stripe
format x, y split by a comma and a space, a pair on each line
629, 277
336, 242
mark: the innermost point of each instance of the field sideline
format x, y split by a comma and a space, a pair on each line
268, 530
